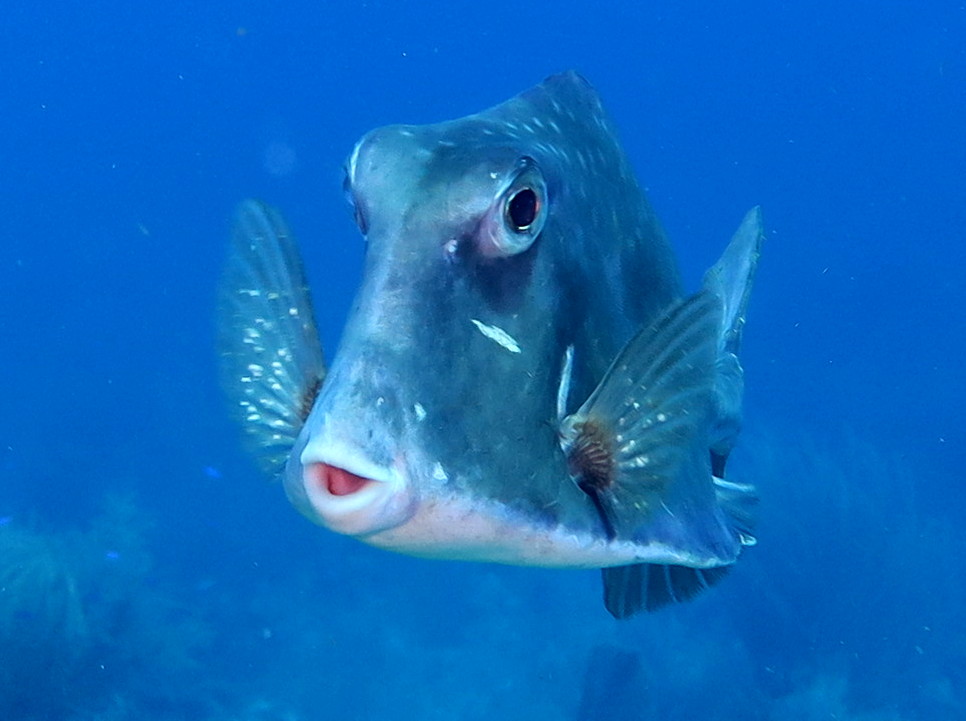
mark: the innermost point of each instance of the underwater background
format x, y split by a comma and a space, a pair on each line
148, 571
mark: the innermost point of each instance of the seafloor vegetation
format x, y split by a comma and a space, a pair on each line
87, 632
849, 609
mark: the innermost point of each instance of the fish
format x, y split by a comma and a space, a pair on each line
521, 378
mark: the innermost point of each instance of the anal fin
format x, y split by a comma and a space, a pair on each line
628, 590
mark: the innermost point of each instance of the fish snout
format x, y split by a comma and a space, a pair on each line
349, 495
351, 477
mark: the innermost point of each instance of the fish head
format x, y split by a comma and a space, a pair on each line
482, 267
456, 308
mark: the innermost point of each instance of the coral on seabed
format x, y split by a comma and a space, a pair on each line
43, 630
82, 623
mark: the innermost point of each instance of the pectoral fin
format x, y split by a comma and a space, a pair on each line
271, 359
638, 446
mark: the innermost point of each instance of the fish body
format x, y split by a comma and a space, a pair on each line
521, 378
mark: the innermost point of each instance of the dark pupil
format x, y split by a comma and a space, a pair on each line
522, 210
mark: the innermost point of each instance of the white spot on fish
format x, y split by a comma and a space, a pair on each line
497, 335
638, 462
563, 390
419, 411
438, 473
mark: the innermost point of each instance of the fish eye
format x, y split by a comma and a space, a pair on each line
522, 209
518, 213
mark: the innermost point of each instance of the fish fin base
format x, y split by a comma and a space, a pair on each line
629, 590
270, 355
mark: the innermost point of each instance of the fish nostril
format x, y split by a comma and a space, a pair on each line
334, 480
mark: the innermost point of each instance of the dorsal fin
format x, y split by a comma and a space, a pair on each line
730, 280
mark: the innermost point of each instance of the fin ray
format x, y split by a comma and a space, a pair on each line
659, 356
271, 358
628, 590
655, 403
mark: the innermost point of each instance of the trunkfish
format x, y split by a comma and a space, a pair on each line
521, 378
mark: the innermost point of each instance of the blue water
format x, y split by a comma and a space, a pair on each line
147, 570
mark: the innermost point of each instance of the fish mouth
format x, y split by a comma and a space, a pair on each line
353, 496
334, 480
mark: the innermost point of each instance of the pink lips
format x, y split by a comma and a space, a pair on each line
334, 480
